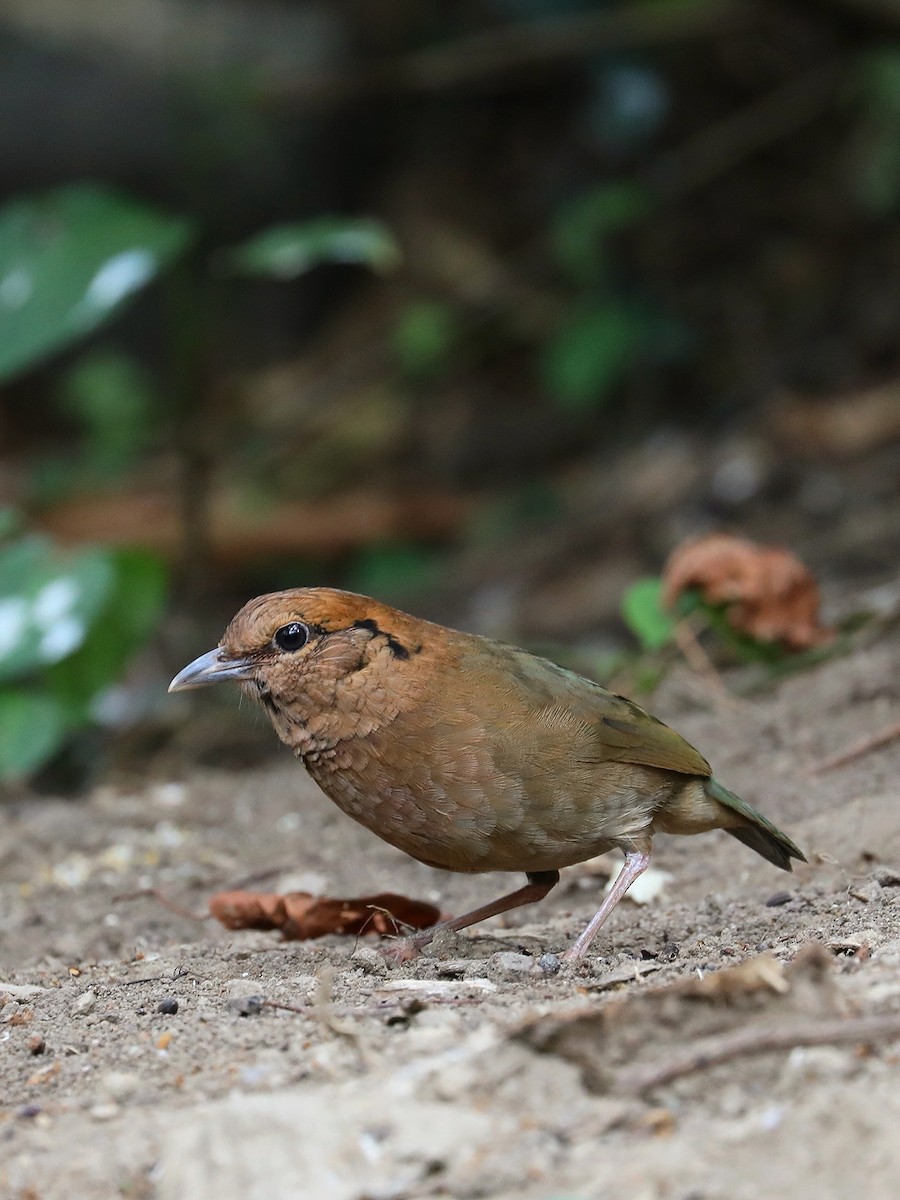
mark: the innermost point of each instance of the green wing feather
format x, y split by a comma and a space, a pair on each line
614, 728
625, 733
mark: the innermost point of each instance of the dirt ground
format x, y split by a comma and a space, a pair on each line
471, 1072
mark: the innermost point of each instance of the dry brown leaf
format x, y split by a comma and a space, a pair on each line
300, 916
770, 594
248, 910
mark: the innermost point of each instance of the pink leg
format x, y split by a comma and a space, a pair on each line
539, 884
636, 861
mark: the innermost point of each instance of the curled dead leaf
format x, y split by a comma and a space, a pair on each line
301, 916
769, 593
248, 910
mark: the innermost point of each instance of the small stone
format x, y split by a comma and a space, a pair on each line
120, 1085
19, 991
549, 963
779, 898
104, 1112
867, 892
511, 965
245, 1006
85, 1003
36, 1044
453, 968
369, 960
169, 1006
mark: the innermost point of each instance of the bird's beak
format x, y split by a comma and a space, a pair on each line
210, 668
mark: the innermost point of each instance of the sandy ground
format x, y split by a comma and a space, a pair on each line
471, 1072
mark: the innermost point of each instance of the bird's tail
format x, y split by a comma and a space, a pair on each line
757, 832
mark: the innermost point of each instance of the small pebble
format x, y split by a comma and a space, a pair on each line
369, 960
104, 1112
453, 968
510, 964
169, 1006
867, 892
36, 1044
120, 1085
85, 1003
245, 1006
29, 1111
779, 898
550, 964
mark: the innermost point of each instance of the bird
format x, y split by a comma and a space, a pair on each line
469, 754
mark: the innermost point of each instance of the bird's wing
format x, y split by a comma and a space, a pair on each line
601, 726
623, 732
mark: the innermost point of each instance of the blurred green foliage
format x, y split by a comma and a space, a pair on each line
70, 259
582, 227
391, 570
643, 613
288, 251
425, 336
876, 178
69, 624
591, 352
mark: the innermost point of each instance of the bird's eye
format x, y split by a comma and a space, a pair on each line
291, 637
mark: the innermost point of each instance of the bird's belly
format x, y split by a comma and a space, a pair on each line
483, 821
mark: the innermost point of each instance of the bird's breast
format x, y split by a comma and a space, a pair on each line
451, 795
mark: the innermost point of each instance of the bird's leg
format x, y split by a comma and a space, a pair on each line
636, 862
539, 884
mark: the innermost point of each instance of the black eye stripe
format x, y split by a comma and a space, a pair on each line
292, 637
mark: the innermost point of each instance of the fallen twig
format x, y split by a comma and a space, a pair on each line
873, 741
762, 1039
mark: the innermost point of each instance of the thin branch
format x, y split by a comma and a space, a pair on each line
516, 50
163, 36
579, 35
725, 144
758, 1039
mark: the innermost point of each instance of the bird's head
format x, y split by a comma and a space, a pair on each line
325, 664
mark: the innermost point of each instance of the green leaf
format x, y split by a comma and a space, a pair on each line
644, 615
69, 259
394, 569
111, 397
581, 227
48, 602
591, 353
33, 727
424, 338
288, 251
133, 608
